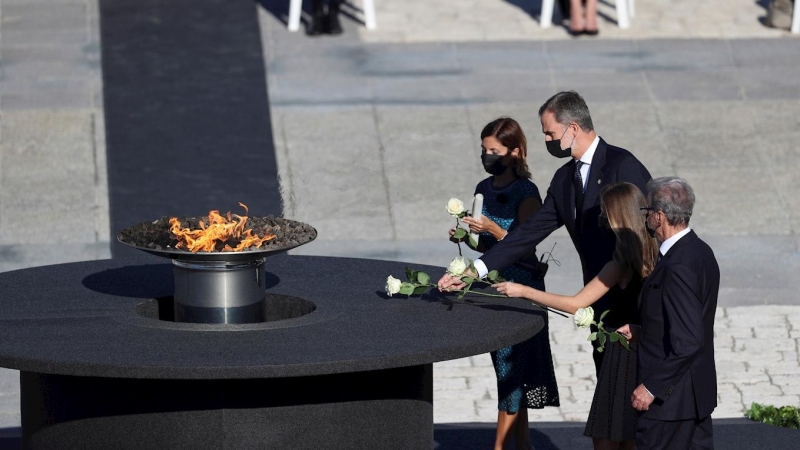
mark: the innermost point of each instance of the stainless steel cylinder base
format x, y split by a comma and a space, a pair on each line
219, 292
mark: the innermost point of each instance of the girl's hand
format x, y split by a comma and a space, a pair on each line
510, 289
480, 225
630, 332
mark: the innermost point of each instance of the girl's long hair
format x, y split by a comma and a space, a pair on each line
509, 133
635, 250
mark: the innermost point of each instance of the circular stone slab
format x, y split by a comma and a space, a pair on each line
81, 319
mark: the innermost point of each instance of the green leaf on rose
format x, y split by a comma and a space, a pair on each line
468, 280
624, 341
472, 242
460, 233
423, 278
602, 316
419, 290
493, 275
614, 337
601, 338
600, 349
406, 288
592, 337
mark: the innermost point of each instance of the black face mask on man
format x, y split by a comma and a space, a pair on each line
650, 231
493, 164
554, 147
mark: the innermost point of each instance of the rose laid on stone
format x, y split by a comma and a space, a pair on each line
458, 266
455, 208
392, 285
419, 282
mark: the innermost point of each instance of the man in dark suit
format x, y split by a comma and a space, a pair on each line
677, 375
573, 198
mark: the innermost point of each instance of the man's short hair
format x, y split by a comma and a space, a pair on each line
674, 197
568, 107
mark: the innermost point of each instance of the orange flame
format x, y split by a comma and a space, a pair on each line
215, 229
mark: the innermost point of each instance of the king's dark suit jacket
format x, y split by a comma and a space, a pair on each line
594, 245
676, 346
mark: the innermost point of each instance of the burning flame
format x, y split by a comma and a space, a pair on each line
217, 228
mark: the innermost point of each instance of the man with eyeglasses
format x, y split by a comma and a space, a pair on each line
677, 388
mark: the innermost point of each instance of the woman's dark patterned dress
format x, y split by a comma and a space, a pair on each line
525, 375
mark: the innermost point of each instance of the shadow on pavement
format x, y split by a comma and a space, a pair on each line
729, 434
10, 438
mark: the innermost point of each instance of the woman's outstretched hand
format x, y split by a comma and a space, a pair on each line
510, 289
479, 225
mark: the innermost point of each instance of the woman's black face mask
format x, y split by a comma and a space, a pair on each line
492, 163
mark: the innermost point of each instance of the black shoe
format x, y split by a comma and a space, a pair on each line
332, 24
316, 27
591, 32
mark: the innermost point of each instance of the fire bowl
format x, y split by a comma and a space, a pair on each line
219, 287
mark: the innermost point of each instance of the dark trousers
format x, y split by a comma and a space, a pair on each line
694, 434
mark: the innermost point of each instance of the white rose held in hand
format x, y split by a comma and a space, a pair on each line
392, 285
458, 266
584, 317
455, 207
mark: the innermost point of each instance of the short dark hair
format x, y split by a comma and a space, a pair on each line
568, 107
508, 132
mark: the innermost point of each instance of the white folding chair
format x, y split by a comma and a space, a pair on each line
625, 10
296, 8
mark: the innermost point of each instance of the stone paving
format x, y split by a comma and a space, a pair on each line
513, 20
375, 130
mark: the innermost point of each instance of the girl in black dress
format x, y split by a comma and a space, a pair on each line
612, 419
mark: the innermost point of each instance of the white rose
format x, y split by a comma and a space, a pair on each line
458, 266
392, 285
584, 317
455, 207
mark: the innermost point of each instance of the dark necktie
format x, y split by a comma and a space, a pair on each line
577, 182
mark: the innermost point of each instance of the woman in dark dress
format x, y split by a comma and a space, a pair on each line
525, 375
612, 419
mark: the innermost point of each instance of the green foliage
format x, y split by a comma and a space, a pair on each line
785, 416
460, 234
